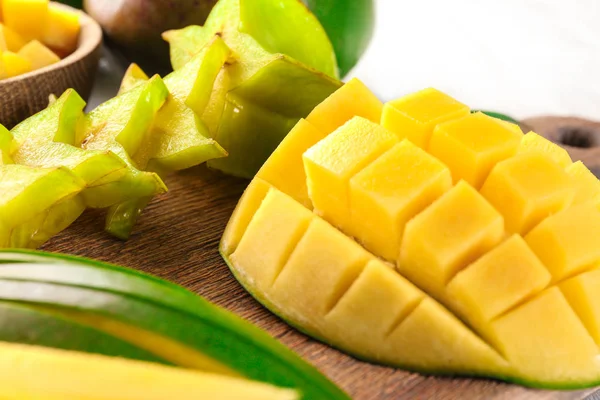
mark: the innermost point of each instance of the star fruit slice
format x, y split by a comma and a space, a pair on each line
274, 77
178, 138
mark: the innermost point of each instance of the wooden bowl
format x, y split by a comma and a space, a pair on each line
25, 95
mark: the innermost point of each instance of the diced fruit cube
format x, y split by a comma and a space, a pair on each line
10, 40
38, 55
373, 306
284, 168
587, 186
352, 99
13, 64
450, 234
454, 347
568, 242
278, 225
498, 280
26, 17
472, 145
544, 333
532, 142
334, 160
582, 293
390, 191
61, 30
526, 189
241, 217
320, 270
415, 116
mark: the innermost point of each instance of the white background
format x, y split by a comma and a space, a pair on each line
520, 57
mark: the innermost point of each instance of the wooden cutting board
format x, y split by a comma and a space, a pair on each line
177, 239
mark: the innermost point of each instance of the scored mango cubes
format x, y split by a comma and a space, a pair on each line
442, 241
415, 116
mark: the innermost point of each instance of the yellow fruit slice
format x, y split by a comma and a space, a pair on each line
415, 116
10, 40
448, 243
38, 55
14, 64
39, 373
61, 30
26, 17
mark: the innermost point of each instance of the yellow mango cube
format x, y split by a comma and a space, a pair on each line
568, 242
414, 116
278, 225
390, 191
10, 40
432, 336
533, 142
498, 280
543, 333
526, 189
320, 270
352, 99
582, 293
38, 55
13, 64
453, 232
61, 30
331, 163
587, 186
26, 17
284, 168
373, 306
472, 145
243, 213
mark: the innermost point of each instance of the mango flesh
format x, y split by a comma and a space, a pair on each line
38, 373
38, 55
482, 260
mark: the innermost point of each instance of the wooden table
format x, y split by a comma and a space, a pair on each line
177, 239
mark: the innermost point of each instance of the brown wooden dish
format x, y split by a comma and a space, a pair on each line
24, 95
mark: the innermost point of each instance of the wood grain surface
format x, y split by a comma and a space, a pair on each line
177, 239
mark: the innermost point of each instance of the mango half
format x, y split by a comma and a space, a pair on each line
420, 235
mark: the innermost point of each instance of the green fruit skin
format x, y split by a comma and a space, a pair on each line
31, 326
349, 25
36, 278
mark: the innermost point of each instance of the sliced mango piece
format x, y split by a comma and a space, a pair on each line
415, 116
27, 18
61, 30
587, 186
280, 237
333, 161
526, 189
500, 279
10, 40
454, 348
545, 333
38, 55
14, 64
390, 191
69, 375
532, 142
352, 99
568, 242
241, 217
582, 293
472, 145
374, 305
325, 263
282, 169
454, 231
